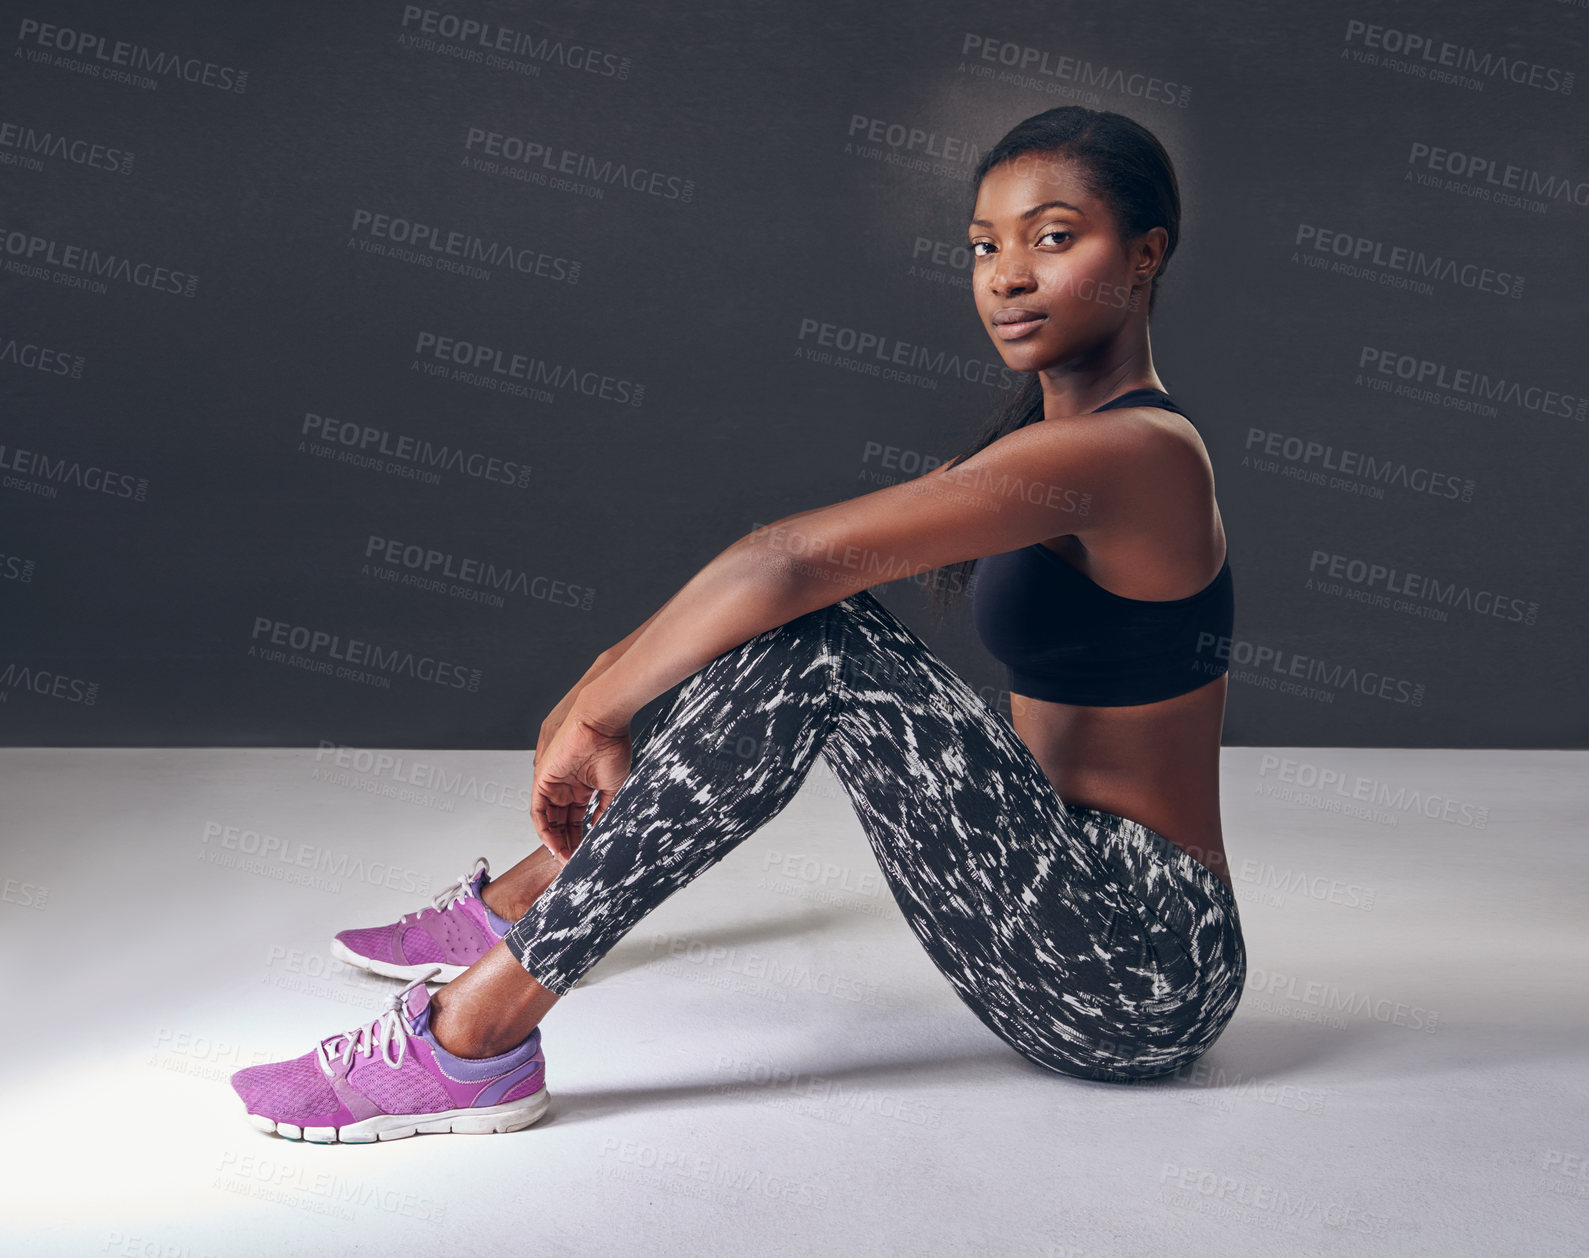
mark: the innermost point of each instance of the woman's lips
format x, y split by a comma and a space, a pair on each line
1014, 331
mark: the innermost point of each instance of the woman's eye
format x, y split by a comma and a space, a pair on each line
975, 253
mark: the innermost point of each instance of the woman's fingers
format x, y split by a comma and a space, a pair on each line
549, 810
558, 811
579, 765
559, 824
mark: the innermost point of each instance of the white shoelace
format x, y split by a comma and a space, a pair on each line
454, 891
387, 1030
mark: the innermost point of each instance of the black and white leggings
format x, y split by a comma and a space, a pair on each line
1091, 944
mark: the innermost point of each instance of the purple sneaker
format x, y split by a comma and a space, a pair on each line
390, 1078
450, 936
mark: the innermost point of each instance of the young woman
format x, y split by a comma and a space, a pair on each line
1065, 869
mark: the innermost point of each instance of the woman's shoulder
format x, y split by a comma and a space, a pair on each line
1138, 442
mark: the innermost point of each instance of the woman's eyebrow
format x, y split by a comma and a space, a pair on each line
1046, 205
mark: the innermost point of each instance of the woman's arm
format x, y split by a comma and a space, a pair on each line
1049, 478
733, 598
615, 652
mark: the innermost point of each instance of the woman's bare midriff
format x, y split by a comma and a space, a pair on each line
1153, 763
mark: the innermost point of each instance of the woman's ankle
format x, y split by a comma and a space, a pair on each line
515, 892
490, 1008
455, 1032
502, 901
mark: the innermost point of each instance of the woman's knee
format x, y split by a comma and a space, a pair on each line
783, 656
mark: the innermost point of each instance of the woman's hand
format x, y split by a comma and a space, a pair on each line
580, 762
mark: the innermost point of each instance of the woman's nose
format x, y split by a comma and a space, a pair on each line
1011, 274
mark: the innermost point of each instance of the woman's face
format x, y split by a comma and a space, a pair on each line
1048, 255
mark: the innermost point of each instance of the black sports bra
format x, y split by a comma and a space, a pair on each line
1065, 638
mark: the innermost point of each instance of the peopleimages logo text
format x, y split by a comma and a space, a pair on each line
365, 438
103, 51
67, 471
359, 653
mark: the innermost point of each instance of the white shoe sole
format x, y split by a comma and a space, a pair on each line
482, 1121
391, 969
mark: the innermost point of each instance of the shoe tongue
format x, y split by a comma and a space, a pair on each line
475, 907
418, 1001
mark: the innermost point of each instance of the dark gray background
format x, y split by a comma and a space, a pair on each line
148, 607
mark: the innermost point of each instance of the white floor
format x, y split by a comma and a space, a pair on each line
769, 1064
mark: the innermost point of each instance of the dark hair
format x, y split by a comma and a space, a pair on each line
1123, 165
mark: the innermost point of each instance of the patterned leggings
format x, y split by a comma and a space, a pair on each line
1091, 944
